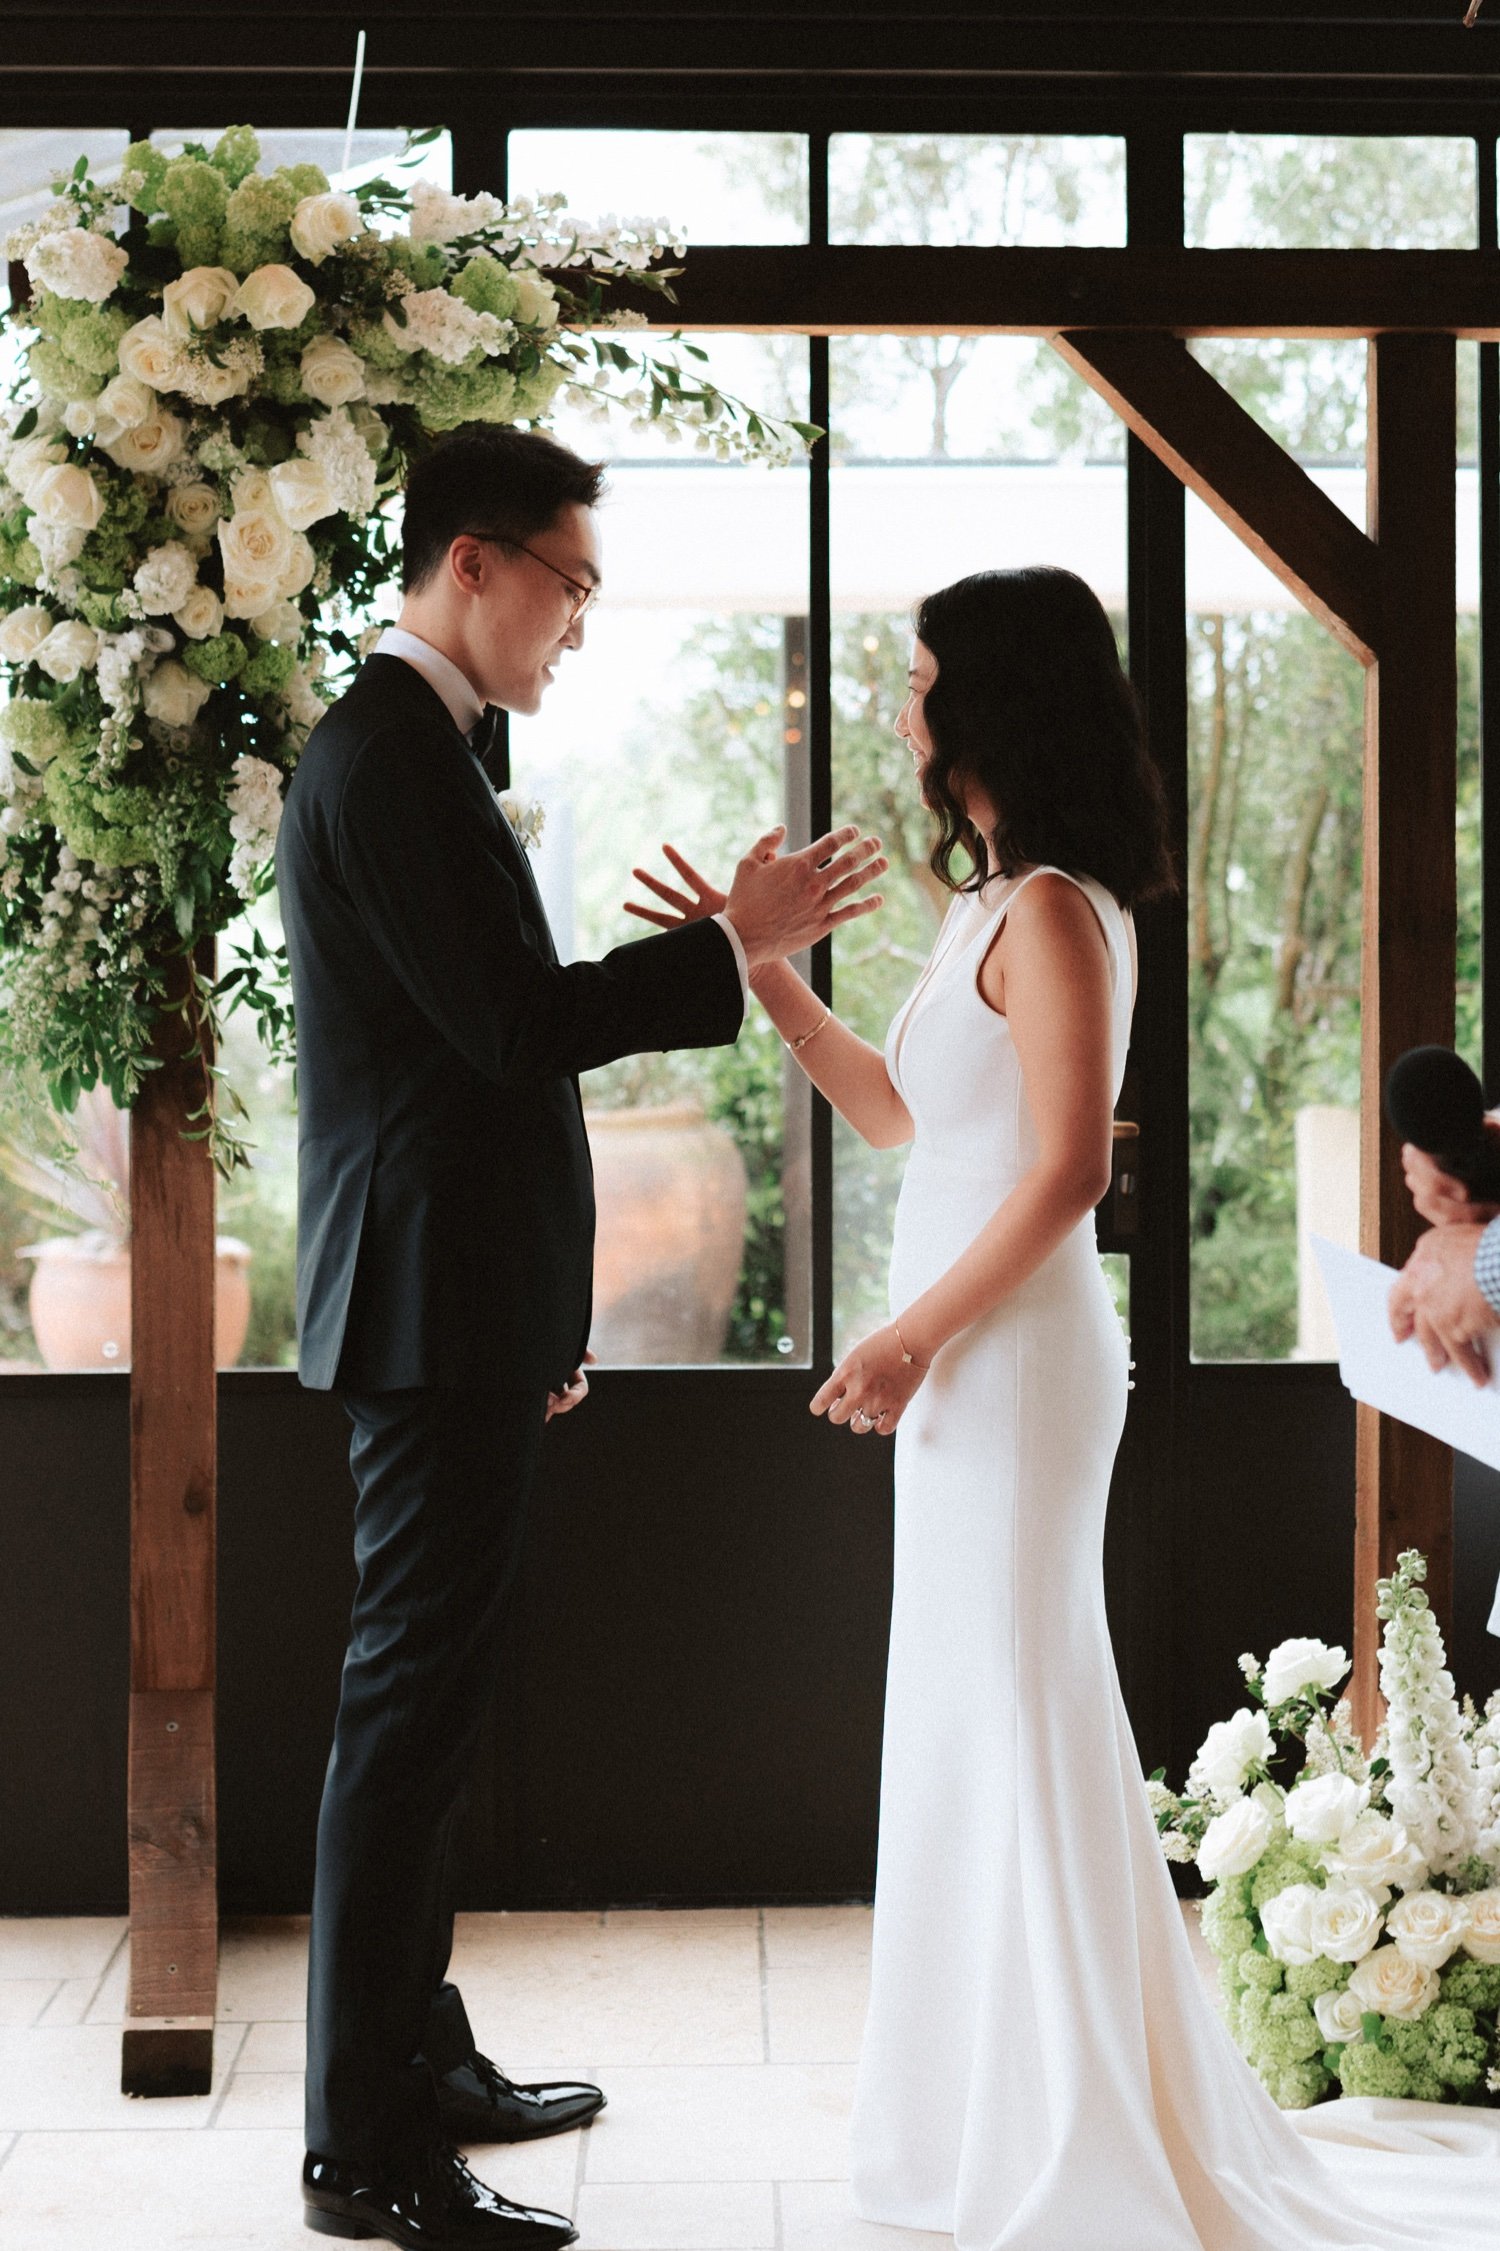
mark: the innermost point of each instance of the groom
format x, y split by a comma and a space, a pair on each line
444, 1257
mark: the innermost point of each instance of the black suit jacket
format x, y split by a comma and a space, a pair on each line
445, 1217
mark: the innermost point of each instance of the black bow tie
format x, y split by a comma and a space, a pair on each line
486, 738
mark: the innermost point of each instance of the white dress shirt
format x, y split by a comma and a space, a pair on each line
466, 707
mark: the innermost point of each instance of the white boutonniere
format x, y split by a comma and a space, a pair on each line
526, 816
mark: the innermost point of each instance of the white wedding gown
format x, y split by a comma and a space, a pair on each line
1042, 2067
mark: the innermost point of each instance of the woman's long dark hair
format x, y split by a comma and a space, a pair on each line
1030, 704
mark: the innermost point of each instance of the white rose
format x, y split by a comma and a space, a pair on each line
28, 457
201, 614
70, 648
67, 495
332, 372
126, 401
212, 383
299, 571
302, 493
324, 223
1340, 2016
1345, 1922
1392, 1985
281, 622
1231, 1747
1296, 1665
1318, 1812
1377, 1853
1286, 1920
151, 447
194, 507
246, 597
250, 490
536, 301
1428, 1927
76, 262
148, 353
23, 631
78, 419
1482, 1933
1234, 1840
274, 297
256, 545
174, 695
198, 299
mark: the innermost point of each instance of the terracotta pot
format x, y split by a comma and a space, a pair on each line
80, 1300
671, 1193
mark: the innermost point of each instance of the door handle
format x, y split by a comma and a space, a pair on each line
1123, 1203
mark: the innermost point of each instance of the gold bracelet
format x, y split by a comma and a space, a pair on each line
797, 1045
909, 1359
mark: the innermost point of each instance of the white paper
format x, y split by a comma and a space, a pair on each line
1395, 1377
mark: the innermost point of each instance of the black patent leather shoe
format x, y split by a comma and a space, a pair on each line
434, 2205
477, 2103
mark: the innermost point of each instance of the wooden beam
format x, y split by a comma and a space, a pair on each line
1251, 483
804, 288
168, 2042
1404, 1495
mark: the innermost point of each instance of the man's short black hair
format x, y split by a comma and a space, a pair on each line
487, 477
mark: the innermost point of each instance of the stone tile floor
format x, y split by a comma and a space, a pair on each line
725, 2038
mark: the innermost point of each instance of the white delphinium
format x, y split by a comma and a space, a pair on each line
437, 216
436, 321
1331, 1746
1433, 1790
1484, 1750
254, 818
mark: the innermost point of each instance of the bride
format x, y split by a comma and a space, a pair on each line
1042, 2069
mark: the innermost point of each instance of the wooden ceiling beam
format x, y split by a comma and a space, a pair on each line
1251, 483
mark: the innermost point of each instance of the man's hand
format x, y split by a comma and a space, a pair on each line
573, 1392
1437, 1300
1438, 1196
780, 903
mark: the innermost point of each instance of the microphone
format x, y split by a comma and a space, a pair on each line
1433, 1100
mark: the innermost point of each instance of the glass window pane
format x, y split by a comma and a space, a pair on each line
717, 187
683, 719
28, 161
951, 455
1326, 191
957, 188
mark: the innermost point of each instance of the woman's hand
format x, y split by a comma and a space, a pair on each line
872, 1385
706, 899
1438, 1196
574, 1391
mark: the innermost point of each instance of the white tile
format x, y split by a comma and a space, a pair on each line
69, 2076
542, 2173
262, 2098
677, 2216
58, 1945
754, 2122
273, 2047
108, 2003
818, 2216
817, 1982
22, 1999
685, 1918
90, 2191
7, 2144
655, 1988
70, 2001
263, 1967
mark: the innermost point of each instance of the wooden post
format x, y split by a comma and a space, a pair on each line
1404, 1480
169, 2023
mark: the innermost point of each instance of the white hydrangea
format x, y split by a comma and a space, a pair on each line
166, 578
254, 818
335, 446
76, 262
445, 326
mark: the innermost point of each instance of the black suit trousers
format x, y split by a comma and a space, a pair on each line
442, 1478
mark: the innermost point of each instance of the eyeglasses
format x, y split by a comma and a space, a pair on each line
584, 597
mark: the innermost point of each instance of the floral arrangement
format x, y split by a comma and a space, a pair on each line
226, 374
1355, 1914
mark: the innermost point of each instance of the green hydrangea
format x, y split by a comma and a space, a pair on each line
268, 670
32, 730
486, 286
375, 344
1279, 2029
535, 392
89, 334
102, 611
446, 396
302, 179
1309, 1979
108, 823
1474, 1985
1260, 1970
54, 372
1284, 1862
1446, 2042
1364, 2069
141, 179
108, 557
257, 223
195, 196
423, 263
235, 153
1295, 2086
218, 659
19, 558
